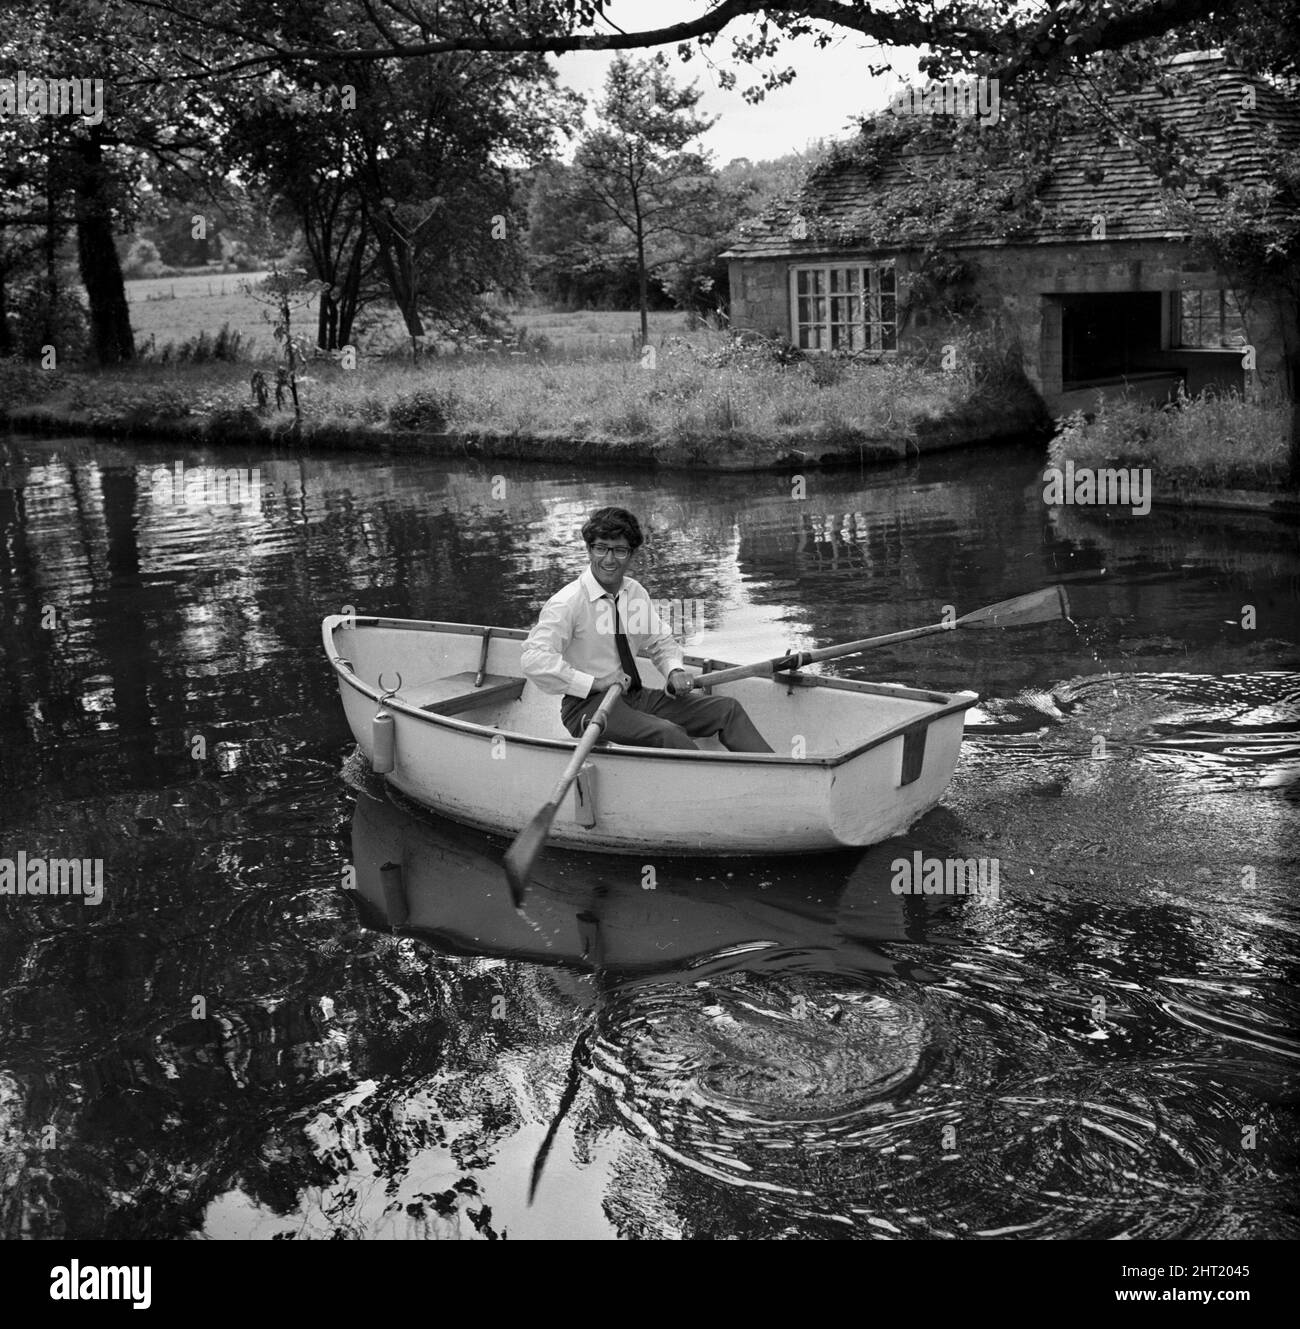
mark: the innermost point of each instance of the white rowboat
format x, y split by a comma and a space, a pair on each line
469, 737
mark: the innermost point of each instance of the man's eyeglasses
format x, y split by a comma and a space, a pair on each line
619, 552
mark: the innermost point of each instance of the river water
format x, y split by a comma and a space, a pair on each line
237, 1041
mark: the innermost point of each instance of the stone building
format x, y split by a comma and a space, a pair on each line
1100, 289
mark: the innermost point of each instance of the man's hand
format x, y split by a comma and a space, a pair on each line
607, 681
678, 683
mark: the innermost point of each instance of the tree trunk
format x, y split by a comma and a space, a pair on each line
1293, 449
350, 296
101, 273
327, 321
1291, 370
1295, 445
400, 272
643, 281
328, 243
49, 333
6, 341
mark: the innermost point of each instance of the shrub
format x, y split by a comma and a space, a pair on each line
233, 421
826, 370
237, 254
370, 410
38, 322
1214, 438
22, 383
721, 415
634, 420
423, 410
229, 346
142, 260
743, 350
128, 405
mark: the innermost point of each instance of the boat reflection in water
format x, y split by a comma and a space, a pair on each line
740, 1014
420, 875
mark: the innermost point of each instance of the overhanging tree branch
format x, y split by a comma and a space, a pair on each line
1007, 44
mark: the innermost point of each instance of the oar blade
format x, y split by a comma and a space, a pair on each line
1043, 606
530, 842
521, 857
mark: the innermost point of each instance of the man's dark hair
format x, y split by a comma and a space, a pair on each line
609, 524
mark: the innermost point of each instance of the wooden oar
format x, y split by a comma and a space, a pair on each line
1043, 606
530, 842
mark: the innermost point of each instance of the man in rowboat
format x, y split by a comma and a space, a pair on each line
588, 637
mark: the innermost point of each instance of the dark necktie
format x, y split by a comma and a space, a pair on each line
625, 651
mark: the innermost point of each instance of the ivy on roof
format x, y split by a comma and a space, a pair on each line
1114, 141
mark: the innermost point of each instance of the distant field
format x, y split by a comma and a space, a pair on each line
594, 327
174, 309
178, 308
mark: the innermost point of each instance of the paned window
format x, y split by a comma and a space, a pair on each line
845, 307
1207, 319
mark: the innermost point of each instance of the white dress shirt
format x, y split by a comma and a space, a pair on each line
573, 643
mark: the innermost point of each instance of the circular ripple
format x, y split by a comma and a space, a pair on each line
778, 1049
967, 1108
744, 1077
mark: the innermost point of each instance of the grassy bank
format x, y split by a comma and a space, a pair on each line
1211, 442
697, 399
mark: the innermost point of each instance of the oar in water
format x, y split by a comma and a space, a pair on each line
530, 842
1043, 606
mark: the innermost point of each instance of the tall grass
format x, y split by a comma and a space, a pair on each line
1217, 439
701, 388
227, 344
687, 394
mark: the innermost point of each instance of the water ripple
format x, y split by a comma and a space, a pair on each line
968, 1108
1230, 731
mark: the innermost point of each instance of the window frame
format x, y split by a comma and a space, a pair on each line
868, 292
1221, 341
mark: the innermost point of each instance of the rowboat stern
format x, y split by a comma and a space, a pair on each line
882, 791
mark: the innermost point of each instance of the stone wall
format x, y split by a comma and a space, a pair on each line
1023, 285
1027, 283
760, 296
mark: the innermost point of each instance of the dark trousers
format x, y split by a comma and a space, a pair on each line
652, 719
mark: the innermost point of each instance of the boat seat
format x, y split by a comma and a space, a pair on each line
456, 693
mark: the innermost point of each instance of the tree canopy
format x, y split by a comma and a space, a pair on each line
403, 193
1002, 39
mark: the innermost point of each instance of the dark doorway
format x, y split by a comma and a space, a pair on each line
1109, 336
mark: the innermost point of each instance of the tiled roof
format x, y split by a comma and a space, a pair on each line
839, 205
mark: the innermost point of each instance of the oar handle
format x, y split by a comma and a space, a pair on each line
798, 659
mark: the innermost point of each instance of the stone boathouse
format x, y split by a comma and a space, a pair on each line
1098, 287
